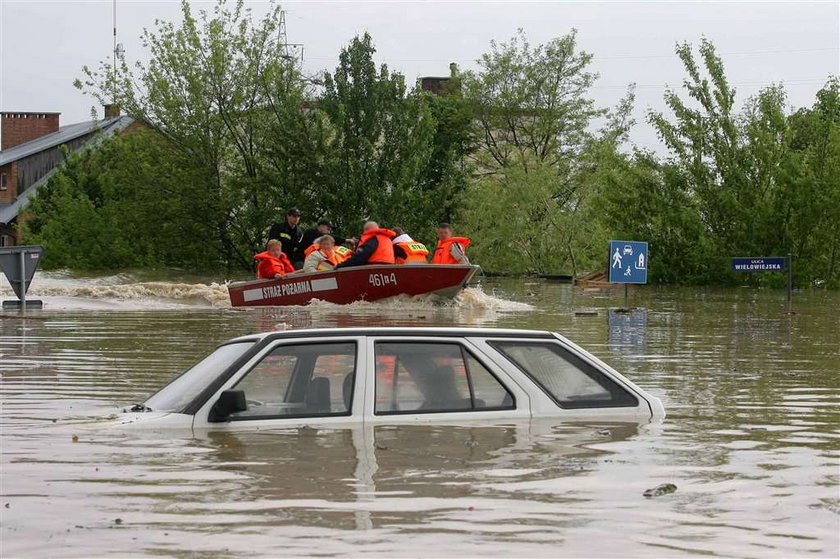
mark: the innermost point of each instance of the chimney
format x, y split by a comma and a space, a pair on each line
112, 110
19, 128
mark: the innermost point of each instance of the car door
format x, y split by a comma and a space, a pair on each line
414, 379
293, 382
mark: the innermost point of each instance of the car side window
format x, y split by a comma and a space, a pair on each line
305, 380
569, 380
420, 377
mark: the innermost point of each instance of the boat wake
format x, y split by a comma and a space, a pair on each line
121, 291
124, 292
469, 298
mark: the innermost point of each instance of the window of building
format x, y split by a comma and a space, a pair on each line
306, 380
569, 380
416, 377
3, 181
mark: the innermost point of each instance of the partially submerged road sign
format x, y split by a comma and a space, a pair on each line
763, 264
628, 262
768, 264
19, 264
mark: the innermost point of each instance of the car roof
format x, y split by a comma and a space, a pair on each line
398, 331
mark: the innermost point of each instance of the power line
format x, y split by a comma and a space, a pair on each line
784, 82
619, 57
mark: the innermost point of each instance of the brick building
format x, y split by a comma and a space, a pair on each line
31, 149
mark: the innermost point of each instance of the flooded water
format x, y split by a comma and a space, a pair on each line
751, 441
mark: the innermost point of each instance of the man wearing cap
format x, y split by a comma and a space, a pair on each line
290, 236
324, 227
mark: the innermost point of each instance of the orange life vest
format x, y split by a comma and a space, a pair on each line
343, 253
384, 253
333, 258
340, 253
414, 252
443, 252
269, 265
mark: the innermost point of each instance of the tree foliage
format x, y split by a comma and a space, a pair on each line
538, 160
219, 87
122, 205
516, 153
737, 182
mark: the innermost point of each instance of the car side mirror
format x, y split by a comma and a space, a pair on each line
230, 401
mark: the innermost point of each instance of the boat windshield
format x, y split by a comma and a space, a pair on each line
176, 395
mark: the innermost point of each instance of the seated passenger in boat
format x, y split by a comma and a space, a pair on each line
375, 247
322, 255
273, 263
450, 250
407, 250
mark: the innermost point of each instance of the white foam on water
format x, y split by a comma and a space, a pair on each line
120, 291
475, 297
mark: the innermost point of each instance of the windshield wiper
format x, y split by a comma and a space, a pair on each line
140, 407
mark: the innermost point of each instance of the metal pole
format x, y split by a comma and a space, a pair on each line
790, 282
22, 281
626, 305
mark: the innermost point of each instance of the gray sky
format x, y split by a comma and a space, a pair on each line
43, 45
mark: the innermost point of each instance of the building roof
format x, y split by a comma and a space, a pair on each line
109, 127
61, 136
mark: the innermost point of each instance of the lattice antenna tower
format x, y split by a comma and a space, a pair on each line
118, 50
291, 51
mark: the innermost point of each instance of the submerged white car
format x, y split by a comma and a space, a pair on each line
392, 375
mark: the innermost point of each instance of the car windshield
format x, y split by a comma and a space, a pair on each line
175, 396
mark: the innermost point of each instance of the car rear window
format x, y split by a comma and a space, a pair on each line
569, 380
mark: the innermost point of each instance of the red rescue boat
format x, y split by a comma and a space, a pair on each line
346, 285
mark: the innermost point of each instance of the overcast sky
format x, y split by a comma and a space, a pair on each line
43, 45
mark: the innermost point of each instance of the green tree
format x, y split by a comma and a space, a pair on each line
447, 173
380, 142
811, 198
122, 204
203, 90
754, 177
538, 152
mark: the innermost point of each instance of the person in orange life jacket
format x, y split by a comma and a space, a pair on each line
321, 255
340, 253
273, 263
450, 250
375, 247
407, 250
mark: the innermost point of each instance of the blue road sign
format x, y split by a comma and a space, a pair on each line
764, 264
628, 262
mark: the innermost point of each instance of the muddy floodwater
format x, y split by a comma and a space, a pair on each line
751, 440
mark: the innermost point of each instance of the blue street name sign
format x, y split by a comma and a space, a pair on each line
628, 262
764, 264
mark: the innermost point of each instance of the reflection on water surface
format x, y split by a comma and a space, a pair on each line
751, 439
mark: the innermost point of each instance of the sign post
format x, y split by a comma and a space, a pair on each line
19, 264
768, 264
628, 263
790, 283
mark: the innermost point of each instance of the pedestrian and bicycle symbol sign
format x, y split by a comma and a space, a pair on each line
628, 262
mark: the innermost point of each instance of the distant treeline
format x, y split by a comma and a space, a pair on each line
515, 154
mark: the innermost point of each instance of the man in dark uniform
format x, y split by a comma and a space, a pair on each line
290, 236
324, 227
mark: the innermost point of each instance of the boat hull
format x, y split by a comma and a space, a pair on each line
347, 285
